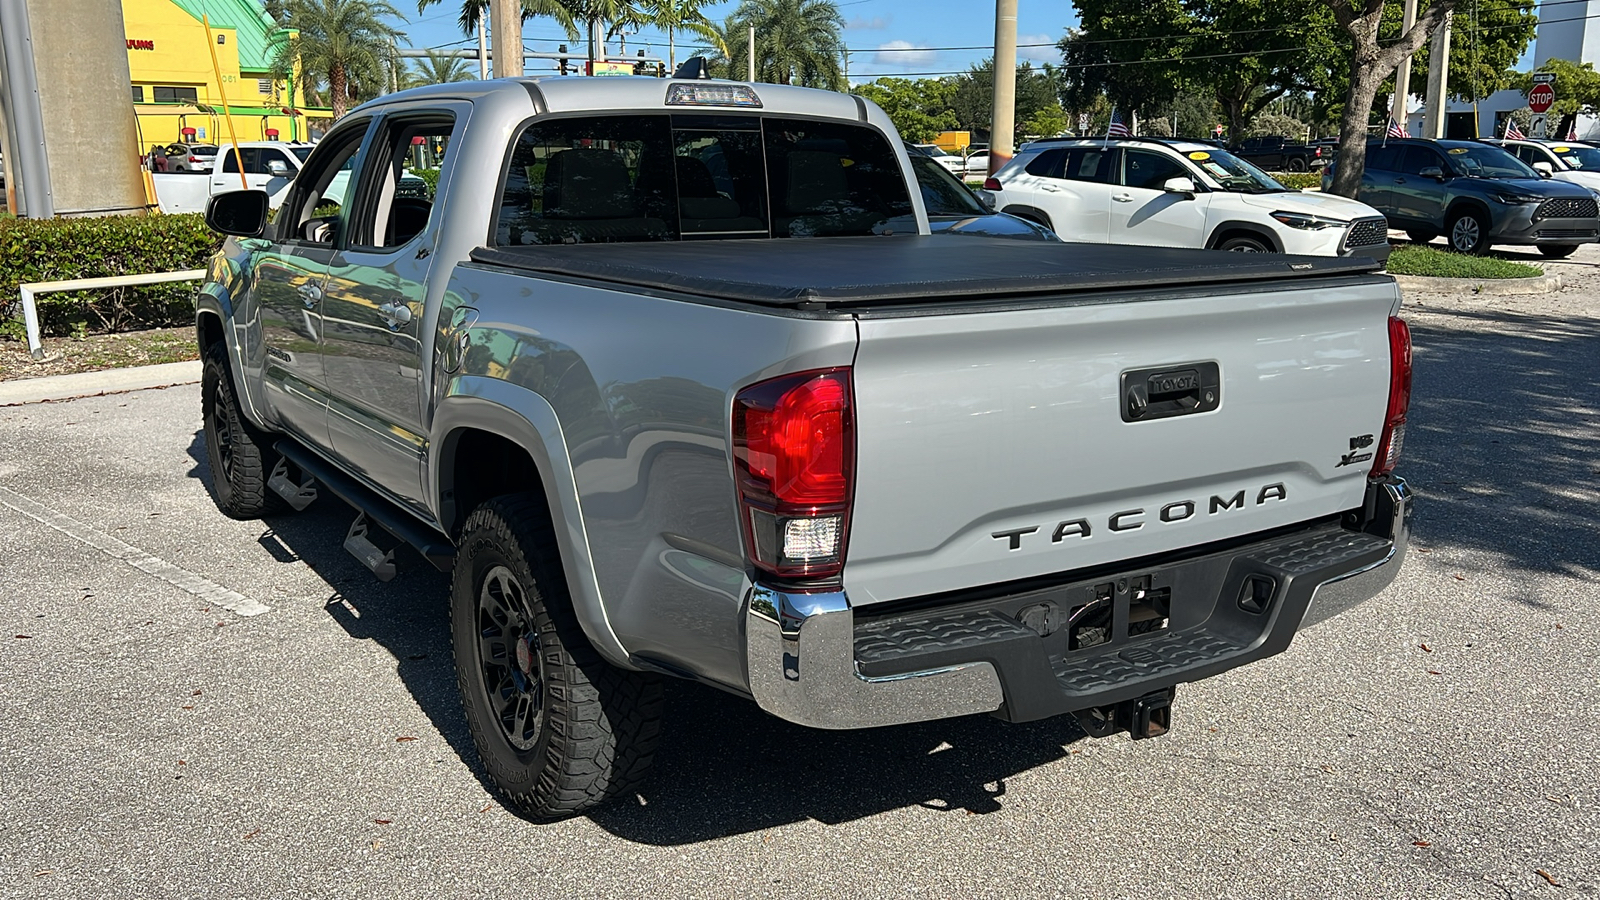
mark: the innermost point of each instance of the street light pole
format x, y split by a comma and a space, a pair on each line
1003, 125
505, 20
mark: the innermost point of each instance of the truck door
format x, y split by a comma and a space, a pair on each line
225, 172
288, 282
376, 293
1143, 213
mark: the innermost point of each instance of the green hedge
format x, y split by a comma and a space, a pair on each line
1298, 181
56, 249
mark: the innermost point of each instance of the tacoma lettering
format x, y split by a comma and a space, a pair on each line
1129, 519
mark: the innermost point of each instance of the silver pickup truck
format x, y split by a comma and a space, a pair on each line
673, 379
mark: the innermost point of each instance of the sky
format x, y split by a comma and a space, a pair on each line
885, 37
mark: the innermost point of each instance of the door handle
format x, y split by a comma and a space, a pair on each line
1122, 198
310, 294
395, 315
1052, 189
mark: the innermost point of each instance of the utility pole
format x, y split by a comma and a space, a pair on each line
752, 54
1003, 123
847, 70
483, 49
1438, 77
1402, 78
505, 20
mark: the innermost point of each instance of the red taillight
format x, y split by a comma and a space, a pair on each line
794, 456
991, 184
1394, 422
194, 159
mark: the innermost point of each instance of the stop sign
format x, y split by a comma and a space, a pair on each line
1541, 98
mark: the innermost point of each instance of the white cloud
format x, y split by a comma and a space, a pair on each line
903, 53
876, 23
1046, 53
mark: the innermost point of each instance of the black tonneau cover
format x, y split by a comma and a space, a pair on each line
817, 272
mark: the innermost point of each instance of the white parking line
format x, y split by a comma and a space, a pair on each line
204, 588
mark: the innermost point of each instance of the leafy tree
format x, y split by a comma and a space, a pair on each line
472, 9
1369, 64
1277, 125
797, 42
1046, 121
919, 109
342, 43
973, 98
439, 68
673, 16
1577, 88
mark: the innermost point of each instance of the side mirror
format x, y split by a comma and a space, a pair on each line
1544, 169
1180, 185
239, 213
277, 168
1432, 172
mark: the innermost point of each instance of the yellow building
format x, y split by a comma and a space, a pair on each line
176, 96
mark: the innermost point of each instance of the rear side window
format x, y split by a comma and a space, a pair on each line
644, 178
1047, 164
1384, 158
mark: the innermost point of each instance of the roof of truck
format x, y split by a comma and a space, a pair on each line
813, 273
569, 93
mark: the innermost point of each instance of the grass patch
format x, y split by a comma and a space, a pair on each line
93, 352
1442, 264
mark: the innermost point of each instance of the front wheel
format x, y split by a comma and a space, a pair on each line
1242, 244
240, 457
1558, 251
1469, 233
1421, 237
559, 730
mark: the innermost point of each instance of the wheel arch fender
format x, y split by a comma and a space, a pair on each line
1032, 213
527, 420
213, 313
1225, 230
1461, 204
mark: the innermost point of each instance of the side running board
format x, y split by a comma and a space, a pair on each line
434, 547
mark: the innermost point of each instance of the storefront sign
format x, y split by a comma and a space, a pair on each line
140, 45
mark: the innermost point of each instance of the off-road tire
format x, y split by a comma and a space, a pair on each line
1558, 251
600, 724
239, 454
1463, 222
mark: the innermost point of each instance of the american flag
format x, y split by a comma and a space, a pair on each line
1117, 127
1513, 133
1396, 129
1572, 130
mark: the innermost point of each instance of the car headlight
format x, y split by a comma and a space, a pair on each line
1513, 199
1306, 222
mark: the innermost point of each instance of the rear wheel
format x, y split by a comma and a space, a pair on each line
559, 730
1469, 232
1296, 164
1421, 237
1244, 244
239, 454
1558, 251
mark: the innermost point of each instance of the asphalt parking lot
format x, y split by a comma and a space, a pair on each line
192, 706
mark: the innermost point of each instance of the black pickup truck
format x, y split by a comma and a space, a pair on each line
1276, 154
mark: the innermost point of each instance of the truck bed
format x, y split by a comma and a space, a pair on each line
818, 273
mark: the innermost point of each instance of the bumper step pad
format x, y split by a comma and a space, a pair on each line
1190, 620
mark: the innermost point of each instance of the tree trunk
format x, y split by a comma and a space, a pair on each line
338, 89
1365, 79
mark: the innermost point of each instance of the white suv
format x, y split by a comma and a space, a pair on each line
1561, 160
1177, 193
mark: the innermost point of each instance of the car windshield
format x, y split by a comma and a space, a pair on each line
1585, 158
302, 152
942, 194
1484, 161
1233, 173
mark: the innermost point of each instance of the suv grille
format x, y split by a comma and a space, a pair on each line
1567, 208
1366, 232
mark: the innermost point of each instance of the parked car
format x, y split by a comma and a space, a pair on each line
1278, 154
190, 157
1178, 193
1562, 160
953, 208
949, 160
976, 163
1475, 194
656, 382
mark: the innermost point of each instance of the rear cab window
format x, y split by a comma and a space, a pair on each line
593, 179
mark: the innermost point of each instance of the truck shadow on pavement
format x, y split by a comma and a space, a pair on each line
1503, 439
724, 766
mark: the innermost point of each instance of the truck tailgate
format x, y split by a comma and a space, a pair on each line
999, 445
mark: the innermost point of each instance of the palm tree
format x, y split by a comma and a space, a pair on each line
439, 68
344, 43
681, 15
471, 9
797, 42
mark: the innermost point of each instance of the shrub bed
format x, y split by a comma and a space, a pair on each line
1298, 181
1414, 260
57, 249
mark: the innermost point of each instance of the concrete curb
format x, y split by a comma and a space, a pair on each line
1482, 287
94, 384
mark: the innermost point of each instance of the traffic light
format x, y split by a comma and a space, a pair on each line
562, 62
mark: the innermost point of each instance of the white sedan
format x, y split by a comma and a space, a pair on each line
977, 163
